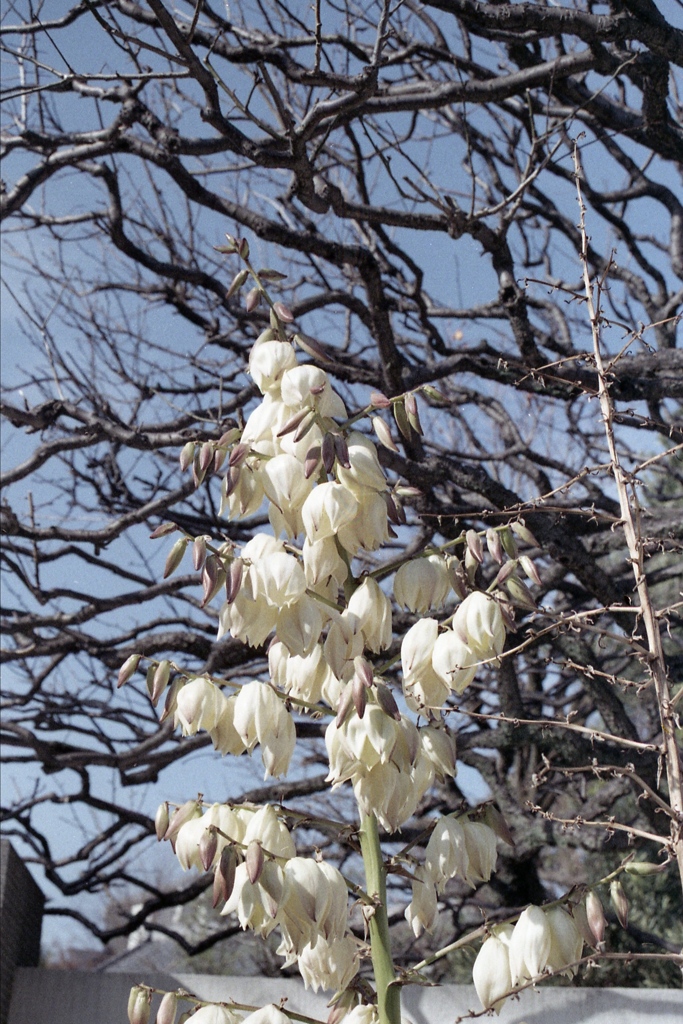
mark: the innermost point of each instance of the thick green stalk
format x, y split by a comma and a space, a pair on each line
388, 992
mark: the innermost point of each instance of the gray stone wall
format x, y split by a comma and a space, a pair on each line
76, 997
21, 914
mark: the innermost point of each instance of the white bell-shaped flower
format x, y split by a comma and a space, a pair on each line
330, 966
246, 496
261, 717
299, 625
224, 736
287, 488
491, 970
438, 745
422, 910
422, 583
327, 509
480, 843
344, 643
422, 687
365, 471
372, 608
265, 827
368, 528
256, 903
479, 623
268, 361
212, 1014
446, 852
267, 1015
307, 386
199, 705
566, 943
453, 661
529, 945
322, 562
249, 621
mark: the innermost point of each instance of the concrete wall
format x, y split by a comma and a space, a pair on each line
74, 997
21, 912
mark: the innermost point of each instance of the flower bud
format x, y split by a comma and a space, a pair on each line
529, 945
619, 902
175, 556
167, 1009
224, 876
128, 669
495, 546
384, 434
254, 861
139, 1005
491, 970
208, 845
596, 917
161, 820
187, 455
644, 867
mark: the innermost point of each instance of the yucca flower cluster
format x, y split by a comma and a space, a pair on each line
303, 589
541, 940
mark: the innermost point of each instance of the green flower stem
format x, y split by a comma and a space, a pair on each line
388, 991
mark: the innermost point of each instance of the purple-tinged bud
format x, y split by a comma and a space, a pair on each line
305, 425
162, 530
254, 860
341, 450
266, 274
379, 401
312, 461
363, 670
206, 455
401, 418
171, 698
495, 546
175, 556
524, 533
199, 553
384, 434
506, 570
252, 300
433, 393
161, 820
328, 453
238, 454
474, 545
232, 479
387, 702
186, 812
160, 679
530, 570
139, 1005
456, 575
283, 313
520, 594
208, 845
127, 669
495, 821
619, 902
236, 283
234, 579
392, 508
311, 347
595, 916
508, 541
344, 705
167, 1009
224, 875
213, 578
413, 413
187, 455
242, 248
293, 422
360, 696
198, 473
644, 867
